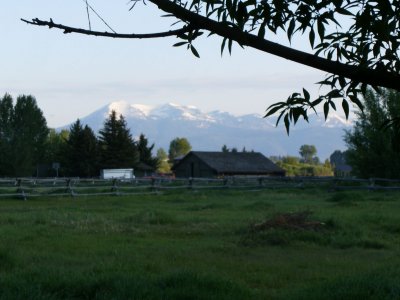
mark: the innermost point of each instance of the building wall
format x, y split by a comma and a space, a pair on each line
192, 166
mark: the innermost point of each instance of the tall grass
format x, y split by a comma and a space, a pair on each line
199, 245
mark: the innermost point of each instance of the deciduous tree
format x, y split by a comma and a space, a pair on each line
162, 158
29, 135
178, 147
6, 112
373, 148
308, 153
55, 145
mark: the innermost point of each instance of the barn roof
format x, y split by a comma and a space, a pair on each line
237, 162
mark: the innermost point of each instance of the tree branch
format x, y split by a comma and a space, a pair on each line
356, 73
68, 29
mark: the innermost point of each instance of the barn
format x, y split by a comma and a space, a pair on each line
216, 164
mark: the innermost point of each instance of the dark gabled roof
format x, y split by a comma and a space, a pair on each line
237, 162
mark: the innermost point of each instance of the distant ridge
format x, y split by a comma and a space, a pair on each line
209, 131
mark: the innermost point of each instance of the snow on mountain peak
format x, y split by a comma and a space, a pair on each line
335, 120
175, 111
129, 110
120, 107
210, 130
145, 109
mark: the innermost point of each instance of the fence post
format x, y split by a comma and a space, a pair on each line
20, 190
69, 187
153, 184
114, 187
260, 181
226, 182
371, 184
190, 183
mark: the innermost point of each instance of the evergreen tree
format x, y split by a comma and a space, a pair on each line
178, 147
81, 152
145, 152
374, 151
89, 166
29, 134
117, 147
224, 149
6, 111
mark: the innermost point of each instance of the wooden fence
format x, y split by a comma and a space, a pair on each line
25, 188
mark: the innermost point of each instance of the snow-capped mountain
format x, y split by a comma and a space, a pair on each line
210, 131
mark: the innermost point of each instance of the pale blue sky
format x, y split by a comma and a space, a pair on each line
73, 75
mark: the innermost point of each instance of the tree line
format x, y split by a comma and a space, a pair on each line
27, 144
308, 164
29, 148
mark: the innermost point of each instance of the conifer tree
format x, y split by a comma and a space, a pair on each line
145, 152
81, 152
117, 147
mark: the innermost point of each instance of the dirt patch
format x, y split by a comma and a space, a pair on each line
292, 221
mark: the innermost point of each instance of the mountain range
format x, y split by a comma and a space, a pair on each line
209, 131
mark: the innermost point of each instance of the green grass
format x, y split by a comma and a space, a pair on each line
200, 245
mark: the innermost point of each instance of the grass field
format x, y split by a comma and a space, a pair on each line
202, 245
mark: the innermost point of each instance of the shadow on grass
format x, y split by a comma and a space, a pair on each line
173, 285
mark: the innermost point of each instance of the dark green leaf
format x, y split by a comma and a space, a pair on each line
271, 111
287, 123
321, 29
261, 32
194, 51
306, 95
333, 105
326, 109
343, 11
180, 44
223, 46
345, 106
290, 30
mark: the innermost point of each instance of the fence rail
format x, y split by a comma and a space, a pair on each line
25, 188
